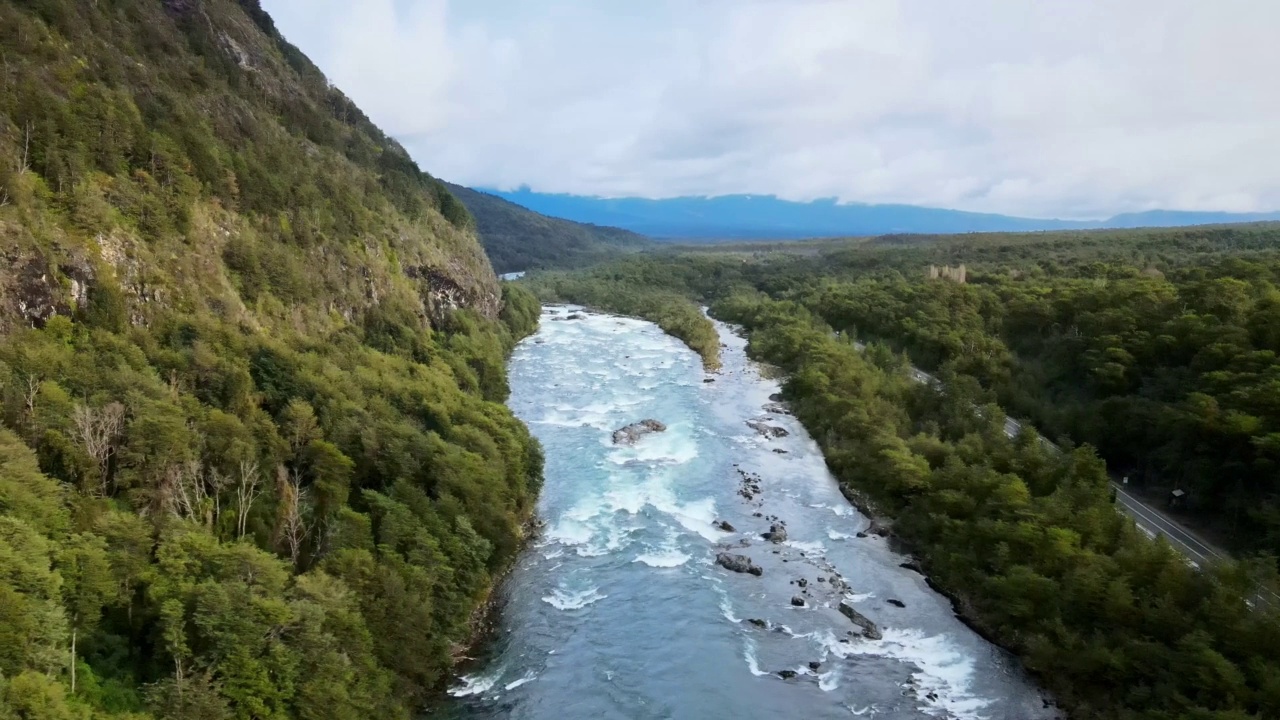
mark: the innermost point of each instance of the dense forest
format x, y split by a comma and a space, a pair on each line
518, 239
254, 461
1151, 352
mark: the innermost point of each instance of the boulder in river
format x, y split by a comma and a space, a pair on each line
776, 397
895, 602
869, 629
797, 601
758, 622
738, 563
877, 527
708, 380
814, 665
575, 316
724, 526
777, 533
786, 674
767, 430
630, 434
912, 564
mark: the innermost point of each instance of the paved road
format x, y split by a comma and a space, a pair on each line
1153, 522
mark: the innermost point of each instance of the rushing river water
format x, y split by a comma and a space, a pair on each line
619, 610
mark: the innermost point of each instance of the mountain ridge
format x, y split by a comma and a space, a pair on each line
516, 238
768, 217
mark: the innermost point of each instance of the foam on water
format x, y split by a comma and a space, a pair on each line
663, 559
528, 677
812, 546
562, 599
829, 680
749, 654
475, 684
675, 446
943, 670
832, 534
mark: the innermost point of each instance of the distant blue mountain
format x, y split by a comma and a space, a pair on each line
765, 216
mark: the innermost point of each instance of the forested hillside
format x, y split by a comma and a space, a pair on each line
516, 238
1146, 352
254, 460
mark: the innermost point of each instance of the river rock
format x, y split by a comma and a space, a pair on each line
724, 526
630, 434
758, 622
797, 601
738, 564
896, 602
869, 629
786, 674
776, 397
912, 564
880, 528
777, 533
814, 664
802, 582
780, 451
708, 380
575, 316
767, 430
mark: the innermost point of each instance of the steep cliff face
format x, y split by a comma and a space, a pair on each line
254, 460
188, 153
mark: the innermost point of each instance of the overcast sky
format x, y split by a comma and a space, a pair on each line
1067, 108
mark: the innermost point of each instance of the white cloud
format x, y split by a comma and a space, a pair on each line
1079, 108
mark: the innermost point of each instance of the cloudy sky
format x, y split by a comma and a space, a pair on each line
1066, 108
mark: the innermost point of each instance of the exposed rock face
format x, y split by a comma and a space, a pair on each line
444, 294
769, 431
738, 564
869, 629
33, 289
630, 434
777, 533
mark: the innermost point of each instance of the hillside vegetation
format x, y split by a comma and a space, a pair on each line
254, 460
516, 238
1146, 352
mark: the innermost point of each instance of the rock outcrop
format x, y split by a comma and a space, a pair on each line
777, 533
767, 430
869, 629
630, 434
738, 564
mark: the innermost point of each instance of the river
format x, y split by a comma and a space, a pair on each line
619, 610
